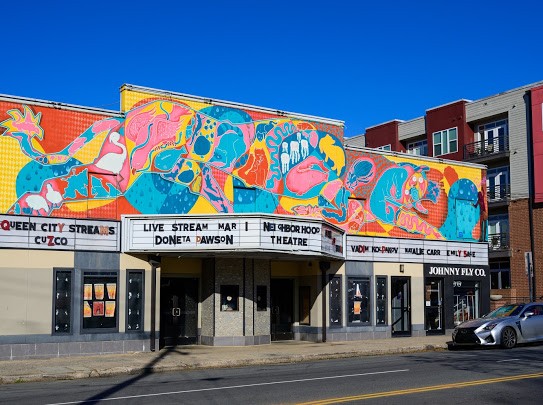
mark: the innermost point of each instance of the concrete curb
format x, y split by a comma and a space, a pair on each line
231, 363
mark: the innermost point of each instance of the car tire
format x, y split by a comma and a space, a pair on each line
508, 338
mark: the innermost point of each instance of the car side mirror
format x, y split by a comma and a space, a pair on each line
528, 314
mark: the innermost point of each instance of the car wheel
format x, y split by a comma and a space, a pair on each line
508, 338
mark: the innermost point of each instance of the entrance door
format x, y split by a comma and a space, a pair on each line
466, 301
400, 289
433, 301
178, 311
282, 309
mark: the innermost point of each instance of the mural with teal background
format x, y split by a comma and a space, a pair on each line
180, 156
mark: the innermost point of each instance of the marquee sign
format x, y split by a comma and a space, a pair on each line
415, 251
231, 232
22, 232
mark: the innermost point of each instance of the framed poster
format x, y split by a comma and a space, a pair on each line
99, 308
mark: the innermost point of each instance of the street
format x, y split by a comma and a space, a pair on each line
490, 376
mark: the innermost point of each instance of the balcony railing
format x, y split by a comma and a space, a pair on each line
499, 193
498, 241
486, 147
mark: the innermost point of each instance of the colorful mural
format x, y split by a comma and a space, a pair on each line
174, 156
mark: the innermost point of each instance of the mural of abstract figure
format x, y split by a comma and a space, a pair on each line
177, 155
172, 157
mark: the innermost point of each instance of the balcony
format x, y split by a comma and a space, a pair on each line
498, 195
498, 245
487, 150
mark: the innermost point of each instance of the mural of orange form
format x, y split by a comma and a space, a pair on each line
412, 223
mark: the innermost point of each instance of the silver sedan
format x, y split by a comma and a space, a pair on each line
505, 326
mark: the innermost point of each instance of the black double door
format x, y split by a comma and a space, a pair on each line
282, 309
178, 311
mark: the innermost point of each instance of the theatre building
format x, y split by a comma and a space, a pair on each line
187, 220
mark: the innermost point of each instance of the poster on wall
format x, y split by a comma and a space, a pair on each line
100, 301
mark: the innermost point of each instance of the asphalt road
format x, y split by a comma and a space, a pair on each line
485, 376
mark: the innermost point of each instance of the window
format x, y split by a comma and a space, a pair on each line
134, 300
500, 275
381, 300
384, 147
493, 136
358, 301
305, 306
445, 142
335, 301
62, 302
99, 302
466, 301
229, 297
498, 231
497, 183
419, 148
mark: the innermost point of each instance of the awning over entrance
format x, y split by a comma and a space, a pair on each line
229, 233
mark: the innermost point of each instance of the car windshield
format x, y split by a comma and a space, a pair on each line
506, 310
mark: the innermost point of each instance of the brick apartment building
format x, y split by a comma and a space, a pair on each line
503, 132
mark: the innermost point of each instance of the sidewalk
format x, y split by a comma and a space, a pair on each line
192, 357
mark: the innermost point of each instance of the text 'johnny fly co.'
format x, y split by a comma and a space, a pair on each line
181, 219
456, 271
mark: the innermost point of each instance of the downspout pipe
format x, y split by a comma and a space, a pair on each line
531, 199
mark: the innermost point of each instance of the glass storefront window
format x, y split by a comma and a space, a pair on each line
99, 301
62, 302
433, 301
381, 301
358, 300
335, 301
466, 301
134, 300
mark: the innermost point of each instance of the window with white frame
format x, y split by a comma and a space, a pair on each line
498, 231
493, 136
497, 183
419, 148
445, 141
385, 147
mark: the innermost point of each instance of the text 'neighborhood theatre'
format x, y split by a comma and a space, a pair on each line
184, 220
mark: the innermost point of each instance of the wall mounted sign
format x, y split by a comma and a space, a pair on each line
462, 271
415, 251
22, 232
230, 232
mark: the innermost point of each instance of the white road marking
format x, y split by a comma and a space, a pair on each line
503, 361
229, 387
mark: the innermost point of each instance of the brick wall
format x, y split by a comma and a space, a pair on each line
519, 225
538, 250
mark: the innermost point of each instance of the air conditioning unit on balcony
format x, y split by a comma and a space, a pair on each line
495, 242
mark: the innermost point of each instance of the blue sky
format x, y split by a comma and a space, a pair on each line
362, 62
